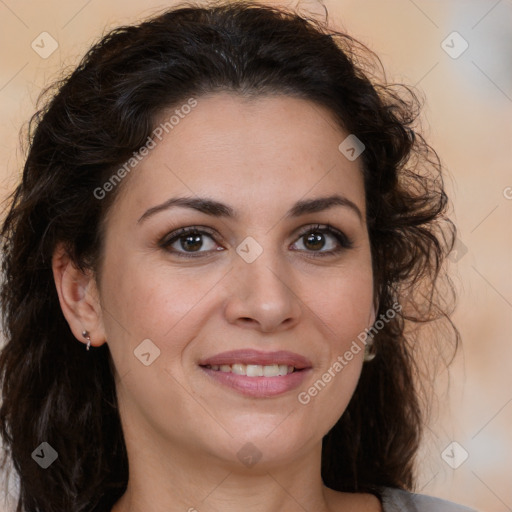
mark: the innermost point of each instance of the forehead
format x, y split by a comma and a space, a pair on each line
259, 152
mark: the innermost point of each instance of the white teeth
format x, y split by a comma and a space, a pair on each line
237, 369
254, 370
271, 371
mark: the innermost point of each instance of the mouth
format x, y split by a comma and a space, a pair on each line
257, 374
255, 363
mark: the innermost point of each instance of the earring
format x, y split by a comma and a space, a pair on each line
85, 334
369, 352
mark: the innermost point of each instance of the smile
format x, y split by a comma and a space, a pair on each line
257, 374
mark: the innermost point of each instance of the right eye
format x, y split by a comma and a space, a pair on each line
187, 241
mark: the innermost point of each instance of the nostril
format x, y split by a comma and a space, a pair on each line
247, 320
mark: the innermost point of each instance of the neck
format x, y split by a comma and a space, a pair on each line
169, 482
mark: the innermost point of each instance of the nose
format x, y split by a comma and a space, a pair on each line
262, 294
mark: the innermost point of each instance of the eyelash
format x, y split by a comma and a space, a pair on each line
344, 241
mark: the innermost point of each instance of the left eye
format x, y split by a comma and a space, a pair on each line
316, 236
191, 240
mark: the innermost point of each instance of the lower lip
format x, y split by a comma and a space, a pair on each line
260, 387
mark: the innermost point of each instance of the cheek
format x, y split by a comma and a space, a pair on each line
343, 306
144, 300
152, 303
343, 301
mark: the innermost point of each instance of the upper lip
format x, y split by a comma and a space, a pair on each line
249, 356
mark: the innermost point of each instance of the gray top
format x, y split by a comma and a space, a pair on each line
396, 500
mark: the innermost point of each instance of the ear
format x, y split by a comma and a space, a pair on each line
78, 297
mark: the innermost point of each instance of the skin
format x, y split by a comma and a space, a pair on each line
183, 429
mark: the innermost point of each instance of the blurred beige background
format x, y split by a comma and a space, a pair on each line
467, 118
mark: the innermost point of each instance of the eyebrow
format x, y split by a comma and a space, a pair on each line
218, 209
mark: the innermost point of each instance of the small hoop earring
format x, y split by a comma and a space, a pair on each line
85, 334
369, 352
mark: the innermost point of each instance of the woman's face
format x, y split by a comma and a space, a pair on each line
256, 277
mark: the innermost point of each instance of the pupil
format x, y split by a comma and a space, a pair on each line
193, 239
312, 238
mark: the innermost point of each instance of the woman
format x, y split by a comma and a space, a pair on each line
237, 222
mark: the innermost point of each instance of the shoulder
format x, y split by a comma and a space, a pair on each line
397, 500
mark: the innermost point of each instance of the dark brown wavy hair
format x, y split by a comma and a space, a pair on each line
92, 121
